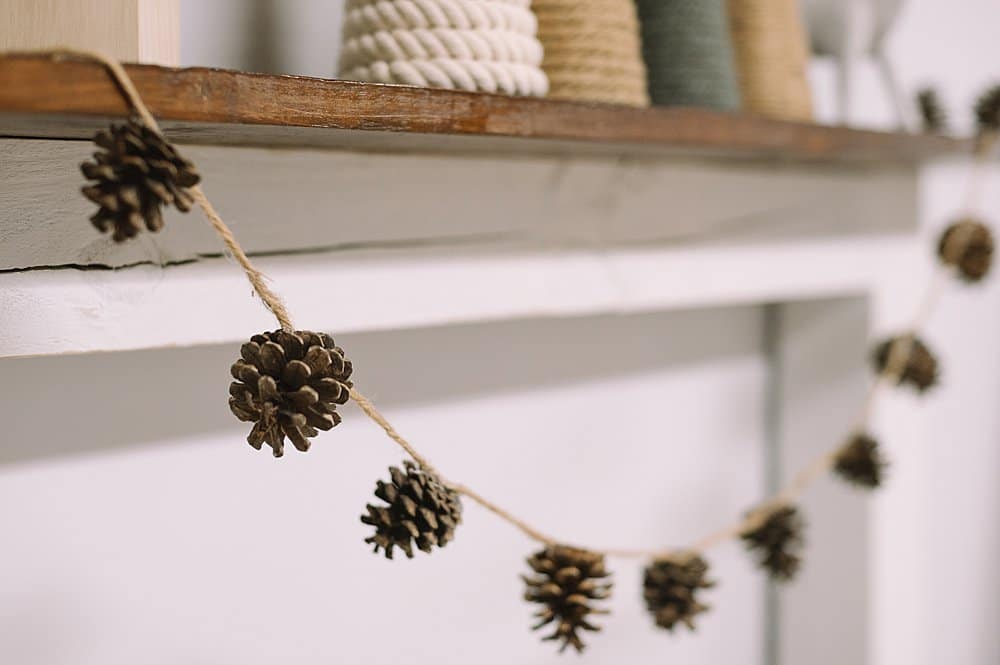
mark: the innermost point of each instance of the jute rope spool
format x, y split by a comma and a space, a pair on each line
592, 50
474, 45
772, 56
688, 53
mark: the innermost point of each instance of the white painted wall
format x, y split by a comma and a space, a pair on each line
140, 528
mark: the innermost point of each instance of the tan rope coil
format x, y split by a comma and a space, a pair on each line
592, 50
772, 56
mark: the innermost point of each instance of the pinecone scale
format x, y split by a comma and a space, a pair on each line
670, 588
289, 385
135, 174
419, 510
567, 581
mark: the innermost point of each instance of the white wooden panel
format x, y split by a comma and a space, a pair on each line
68, 311
281, 200
140, 527
821, 378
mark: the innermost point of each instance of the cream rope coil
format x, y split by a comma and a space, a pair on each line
592, 50
473, 45
369, 16
439, 43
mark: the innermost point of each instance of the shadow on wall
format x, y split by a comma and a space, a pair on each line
70, 405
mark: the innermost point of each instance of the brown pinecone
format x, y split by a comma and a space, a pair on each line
968, 245
988, 110
567, 581
860, 462
669, 587
931, 111
420, 509
779, 541
136, 172
921, 368
289, 384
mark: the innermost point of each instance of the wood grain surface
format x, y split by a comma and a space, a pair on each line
40, 97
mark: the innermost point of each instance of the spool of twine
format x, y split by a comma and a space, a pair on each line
592, 50
474, 45
772, 57
686, 44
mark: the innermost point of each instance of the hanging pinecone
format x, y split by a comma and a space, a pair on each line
669, 587
566, 583
779, 541
420, 509
860, 462
921, 367
968, 245
136, 172
289, 384
988, 111
931, 111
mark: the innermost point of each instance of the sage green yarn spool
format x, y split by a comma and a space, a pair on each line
688, 52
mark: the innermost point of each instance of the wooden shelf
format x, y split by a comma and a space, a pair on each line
69, 99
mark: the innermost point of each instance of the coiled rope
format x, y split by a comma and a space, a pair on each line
474, 45
592, 50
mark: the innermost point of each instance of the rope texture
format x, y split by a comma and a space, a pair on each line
592, 50
473, 45
689, 53
771, 55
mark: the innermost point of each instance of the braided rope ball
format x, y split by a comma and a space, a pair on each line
473, 45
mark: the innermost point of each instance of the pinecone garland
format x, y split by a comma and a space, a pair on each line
420, 509
779, 541
988, 111
920, 369
860, 462
136, 172
968, 245
669, 587
289, 384
931, 111
566, 582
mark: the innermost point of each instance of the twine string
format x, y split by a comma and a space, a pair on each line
898, 355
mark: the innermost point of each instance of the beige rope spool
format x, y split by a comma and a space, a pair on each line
772, 57
592, 50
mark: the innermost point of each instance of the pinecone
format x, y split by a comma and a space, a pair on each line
670, 587
988, 110
860, 462
420, 508
968, 245
779, 542
567, 580
931, 111
289, 384
136, 172
920, 369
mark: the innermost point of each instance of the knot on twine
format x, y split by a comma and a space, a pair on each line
473, 45
592, 50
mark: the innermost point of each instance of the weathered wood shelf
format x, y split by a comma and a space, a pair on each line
69, 99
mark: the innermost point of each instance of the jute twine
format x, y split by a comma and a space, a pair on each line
592, 50
688, 53
890, 375
772, 57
